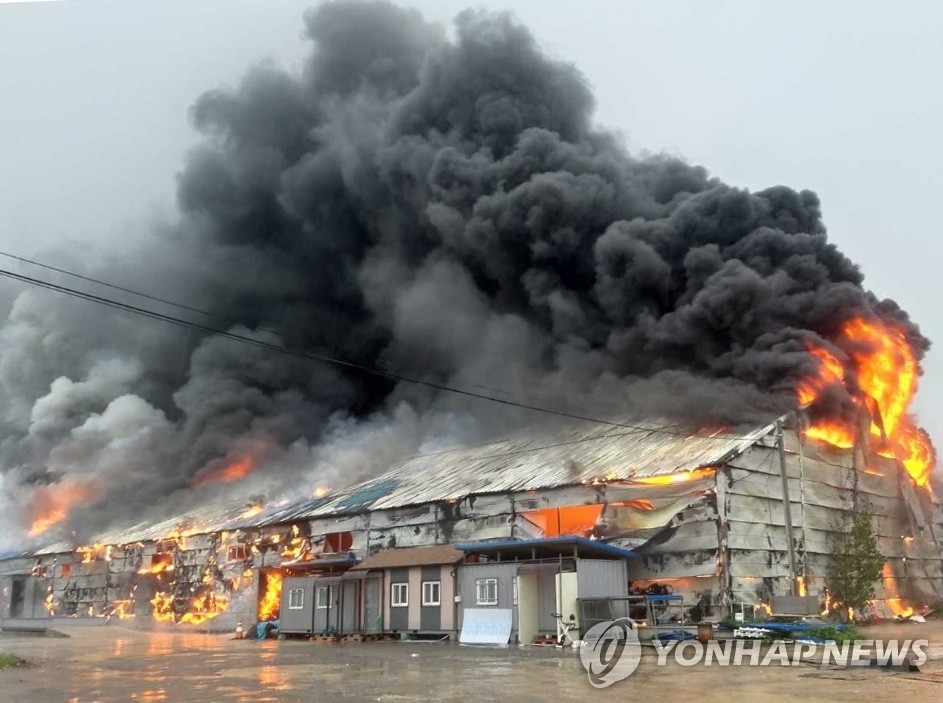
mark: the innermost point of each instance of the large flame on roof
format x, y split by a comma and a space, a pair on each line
50, 505
241, 461
882, 373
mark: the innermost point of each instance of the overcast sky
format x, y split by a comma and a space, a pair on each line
843, 98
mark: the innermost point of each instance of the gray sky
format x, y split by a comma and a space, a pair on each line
843, 98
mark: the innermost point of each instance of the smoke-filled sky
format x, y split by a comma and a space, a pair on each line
547, 206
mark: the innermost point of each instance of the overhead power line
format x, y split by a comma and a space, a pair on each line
123, 289
310, 356
163, 301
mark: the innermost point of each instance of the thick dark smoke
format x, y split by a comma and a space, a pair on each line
440, 208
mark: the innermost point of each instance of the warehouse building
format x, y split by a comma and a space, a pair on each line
725, 519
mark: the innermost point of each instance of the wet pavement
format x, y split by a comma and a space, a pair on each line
120, 665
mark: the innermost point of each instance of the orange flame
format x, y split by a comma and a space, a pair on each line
895, 603
830, 371
251, 512
885, 373
270, 602
122, 609
834, 432
238, 464
296, 549
234, 470
159, 568
195, 610
50, 505
669, 479
94, 552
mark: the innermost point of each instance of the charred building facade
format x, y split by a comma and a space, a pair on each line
700, 515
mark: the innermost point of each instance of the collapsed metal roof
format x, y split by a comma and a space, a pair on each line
526, 461
216, 517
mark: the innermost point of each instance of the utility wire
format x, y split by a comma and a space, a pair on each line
311, 356
115, 286
164, 301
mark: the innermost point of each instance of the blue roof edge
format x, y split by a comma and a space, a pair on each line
548, 541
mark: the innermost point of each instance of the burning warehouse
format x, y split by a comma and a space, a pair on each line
702, 515
420, 242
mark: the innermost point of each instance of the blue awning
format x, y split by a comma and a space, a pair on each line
568, 545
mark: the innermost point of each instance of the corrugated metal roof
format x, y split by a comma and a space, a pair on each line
411, 556
216, 517
527, 462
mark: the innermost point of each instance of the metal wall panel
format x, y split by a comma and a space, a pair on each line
297, 621
503, 572
601, 577
399, 615
430, 616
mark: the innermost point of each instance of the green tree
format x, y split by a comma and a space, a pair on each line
855, 563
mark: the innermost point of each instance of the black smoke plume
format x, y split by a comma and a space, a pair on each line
437, 208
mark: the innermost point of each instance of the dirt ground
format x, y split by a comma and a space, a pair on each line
120, 665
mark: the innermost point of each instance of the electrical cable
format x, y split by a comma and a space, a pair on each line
310, 356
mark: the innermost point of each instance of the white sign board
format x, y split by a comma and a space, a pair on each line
486, 626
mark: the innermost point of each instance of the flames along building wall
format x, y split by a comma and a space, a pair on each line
726, 542
728, 546
717, 537
822, 483
121, 581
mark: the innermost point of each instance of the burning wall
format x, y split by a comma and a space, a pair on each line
187, 577
824, 481
715, 534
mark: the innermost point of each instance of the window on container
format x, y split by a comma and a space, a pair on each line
431, 592
399, 595
486, 591
296, 598
323, 597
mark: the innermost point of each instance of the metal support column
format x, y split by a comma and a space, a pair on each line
787, 509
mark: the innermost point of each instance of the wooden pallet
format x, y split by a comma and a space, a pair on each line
353, 637
545, 639
378, 637
324, 639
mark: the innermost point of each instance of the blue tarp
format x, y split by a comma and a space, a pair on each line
263, 628
787, 627
674, 635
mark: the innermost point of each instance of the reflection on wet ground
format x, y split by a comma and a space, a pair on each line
113, 664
